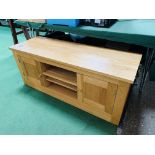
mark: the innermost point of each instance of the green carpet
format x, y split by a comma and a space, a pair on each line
24, 110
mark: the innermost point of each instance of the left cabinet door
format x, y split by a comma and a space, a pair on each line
29, 70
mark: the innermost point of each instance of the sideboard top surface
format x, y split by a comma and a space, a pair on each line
112, 63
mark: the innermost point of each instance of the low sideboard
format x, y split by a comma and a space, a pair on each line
94, 79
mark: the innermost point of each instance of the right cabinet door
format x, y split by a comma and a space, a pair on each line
99, 94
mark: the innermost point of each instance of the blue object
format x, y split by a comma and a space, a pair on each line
66, 22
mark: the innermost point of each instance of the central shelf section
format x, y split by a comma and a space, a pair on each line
62, 75
61, 83
63, 90
61, 80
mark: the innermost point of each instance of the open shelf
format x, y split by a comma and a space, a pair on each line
62, 90
61, 83
62, 75
59, 80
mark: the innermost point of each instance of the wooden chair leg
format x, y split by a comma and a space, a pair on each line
25, 31
37, 32
13, 31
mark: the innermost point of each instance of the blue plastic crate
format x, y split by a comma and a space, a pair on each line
66, 22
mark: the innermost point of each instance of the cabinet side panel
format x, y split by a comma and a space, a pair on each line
110, 97
22, 72
121, 97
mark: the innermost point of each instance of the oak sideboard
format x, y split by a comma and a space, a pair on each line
94, 79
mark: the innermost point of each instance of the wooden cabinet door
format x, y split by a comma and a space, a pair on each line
99, 94
29, 71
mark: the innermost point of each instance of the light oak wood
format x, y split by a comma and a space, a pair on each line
111, 96
62, 74
112, 63
62, 90
95, 81
99, 93
70, 72
61, 83
79, 86
68, 67
121, 98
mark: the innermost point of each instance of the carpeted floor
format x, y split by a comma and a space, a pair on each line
24, 110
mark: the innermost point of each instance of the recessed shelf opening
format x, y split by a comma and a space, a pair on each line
60, 80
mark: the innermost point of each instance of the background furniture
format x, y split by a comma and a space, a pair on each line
138, 32
24, 28
15, 33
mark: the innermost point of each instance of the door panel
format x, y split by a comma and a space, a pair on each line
94, 93
29, 69
99, 93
